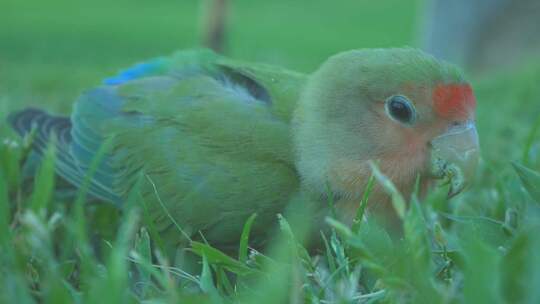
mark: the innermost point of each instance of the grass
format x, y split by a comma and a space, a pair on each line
478, 248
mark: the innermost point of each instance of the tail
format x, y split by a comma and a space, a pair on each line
45, 127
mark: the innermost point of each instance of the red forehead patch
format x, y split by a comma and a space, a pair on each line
454, 101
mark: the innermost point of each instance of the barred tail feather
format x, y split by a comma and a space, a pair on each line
46, 127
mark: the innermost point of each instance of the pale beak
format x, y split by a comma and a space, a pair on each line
454, 156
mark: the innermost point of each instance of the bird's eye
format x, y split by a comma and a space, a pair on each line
401, 109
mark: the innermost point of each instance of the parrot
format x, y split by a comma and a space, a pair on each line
209, 141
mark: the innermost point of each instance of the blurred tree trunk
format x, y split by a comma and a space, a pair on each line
482, 34
214, 25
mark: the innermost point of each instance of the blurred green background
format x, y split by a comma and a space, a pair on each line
51, 50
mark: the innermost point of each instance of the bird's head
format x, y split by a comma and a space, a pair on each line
402, 108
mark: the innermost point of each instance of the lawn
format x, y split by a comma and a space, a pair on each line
480, 247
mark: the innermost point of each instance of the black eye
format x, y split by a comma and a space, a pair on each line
400, 109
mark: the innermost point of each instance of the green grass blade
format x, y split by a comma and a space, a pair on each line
530, 141
10, 158
530, 180
331, 260
44, 182
215, 256
363, 204
244, 239
5, 231
398, 202
331, 203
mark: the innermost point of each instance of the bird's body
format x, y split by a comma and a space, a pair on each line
213, 140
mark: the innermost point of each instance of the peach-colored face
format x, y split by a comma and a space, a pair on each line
438, 108
407, 147
441, 109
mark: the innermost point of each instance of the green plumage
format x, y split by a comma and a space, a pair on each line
211, 136
216, 140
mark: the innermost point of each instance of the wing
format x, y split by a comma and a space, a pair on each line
217, 146
211, 135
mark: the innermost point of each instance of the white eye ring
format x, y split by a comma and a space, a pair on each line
400, 109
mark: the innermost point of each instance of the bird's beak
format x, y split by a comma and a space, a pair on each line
454, 156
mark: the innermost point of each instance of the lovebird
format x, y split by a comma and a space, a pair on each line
209, 140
